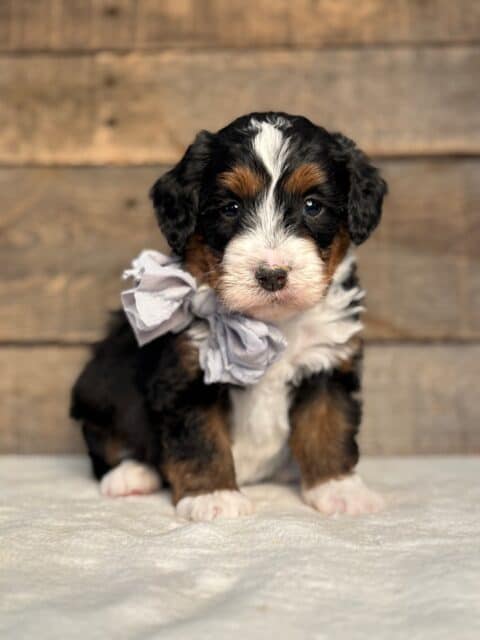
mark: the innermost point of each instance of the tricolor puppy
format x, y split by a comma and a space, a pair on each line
266, 213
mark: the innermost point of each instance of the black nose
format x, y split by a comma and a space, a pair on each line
271, 279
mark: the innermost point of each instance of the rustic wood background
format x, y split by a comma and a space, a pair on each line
98, 96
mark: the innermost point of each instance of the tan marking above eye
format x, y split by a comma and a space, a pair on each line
242, 181
305, 177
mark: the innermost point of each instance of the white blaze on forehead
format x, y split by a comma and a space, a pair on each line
271, 147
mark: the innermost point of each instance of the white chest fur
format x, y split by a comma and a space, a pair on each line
317, 341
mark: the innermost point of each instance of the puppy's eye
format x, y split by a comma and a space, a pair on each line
231, 209
312, 207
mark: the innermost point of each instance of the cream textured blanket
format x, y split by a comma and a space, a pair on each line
75, 565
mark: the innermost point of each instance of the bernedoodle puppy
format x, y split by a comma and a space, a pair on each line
239, 355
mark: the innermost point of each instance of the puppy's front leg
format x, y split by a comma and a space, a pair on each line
325, 417
198, 463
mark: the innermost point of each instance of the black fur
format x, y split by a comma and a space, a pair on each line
366, 191
175, 195
144, 398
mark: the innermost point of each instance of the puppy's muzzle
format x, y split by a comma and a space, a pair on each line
271, 278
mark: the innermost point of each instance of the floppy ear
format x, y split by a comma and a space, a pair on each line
175, 195
366, 189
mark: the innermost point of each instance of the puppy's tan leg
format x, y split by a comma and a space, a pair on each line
203, 479
325, 418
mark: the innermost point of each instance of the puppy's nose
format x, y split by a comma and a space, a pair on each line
271, 279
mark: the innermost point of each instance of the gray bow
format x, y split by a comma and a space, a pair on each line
235, 349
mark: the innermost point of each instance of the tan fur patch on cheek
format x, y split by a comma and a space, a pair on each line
305, 177
202, 262
335, 253
242, 181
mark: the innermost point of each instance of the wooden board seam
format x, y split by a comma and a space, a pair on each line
377, 157
285, 46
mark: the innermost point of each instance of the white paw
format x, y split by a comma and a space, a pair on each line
218, 504
129, 478
346, 495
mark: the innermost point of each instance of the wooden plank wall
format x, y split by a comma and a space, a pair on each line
97, 97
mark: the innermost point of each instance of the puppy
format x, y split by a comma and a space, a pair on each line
265, 212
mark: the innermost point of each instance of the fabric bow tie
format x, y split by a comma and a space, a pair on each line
235, 348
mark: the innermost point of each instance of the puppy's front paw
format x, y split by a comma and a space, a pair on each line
218, 504
129, 478
346, 495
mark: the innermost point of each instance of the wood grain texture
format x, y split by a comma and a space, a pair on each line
73, 25
145, 108
85, 25
419, 400
67, 234
35, 389
421, 267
